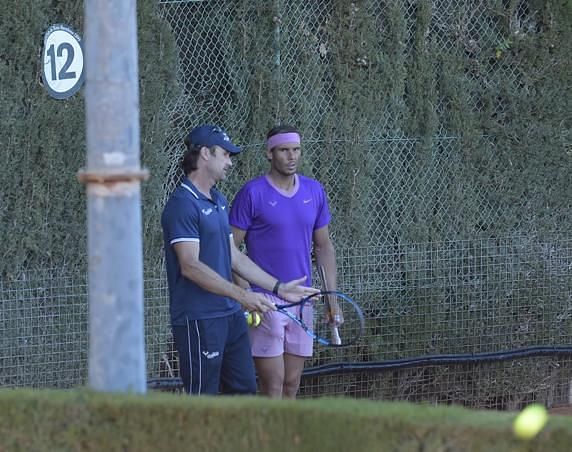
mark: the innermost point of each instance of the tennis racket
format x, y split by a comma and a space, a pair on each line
313, 314
334, 316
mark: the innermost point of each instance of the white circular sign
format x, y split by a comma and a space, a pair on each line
62, 60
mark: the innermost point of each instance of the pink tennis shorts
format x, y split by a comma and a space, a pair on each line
278, 334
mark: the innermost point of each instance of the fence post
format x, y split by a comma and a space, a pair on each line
277, 70
113, 177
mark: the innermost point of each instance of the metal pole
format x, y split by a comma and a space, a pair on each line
113, 176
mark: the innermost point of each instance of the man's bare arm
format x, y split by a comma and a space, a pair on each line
202, 275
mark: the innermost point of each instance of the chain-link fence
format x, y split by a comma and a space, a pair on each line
448, 258
477, 322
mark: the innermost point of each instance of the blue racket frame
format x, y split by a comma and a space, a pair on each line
283, 309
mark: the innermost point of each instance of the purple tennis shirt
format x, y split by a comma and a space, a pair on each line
279, 225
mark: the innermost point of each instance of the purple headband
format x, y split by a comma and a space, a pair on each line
282, 138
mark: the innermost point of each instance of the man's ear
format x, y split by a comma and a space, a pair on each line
205, 153
268, 154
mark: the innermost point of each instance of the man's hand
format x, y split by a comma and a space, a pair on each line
253, 301
334, 315
292, 290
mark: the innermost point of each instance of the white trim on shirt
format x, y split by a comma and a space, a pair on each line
190, 189
184, 239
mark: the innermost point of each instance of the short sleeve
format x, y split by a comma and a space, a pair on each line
181, 221
323, 216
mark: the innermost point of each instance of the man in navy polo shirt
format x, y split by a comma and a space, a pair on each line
209, 327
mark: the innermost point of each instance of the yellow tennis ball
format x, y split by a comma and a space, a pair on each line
530, 421
253, 318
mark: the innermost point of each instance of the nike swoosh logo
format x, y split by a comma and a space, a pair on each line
272, 203
306, 201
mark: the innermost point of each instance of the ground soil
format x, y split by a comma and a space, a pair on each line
561, 410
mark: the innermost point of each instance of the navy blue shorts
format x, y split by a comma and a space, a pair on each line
214, 356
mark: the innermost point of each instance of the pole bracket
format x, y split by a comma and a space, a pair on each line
111, 177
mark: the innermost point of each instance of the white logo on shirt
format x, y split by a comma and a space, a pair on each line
207, 211
306, 201
272, 203
210, 355
223, 207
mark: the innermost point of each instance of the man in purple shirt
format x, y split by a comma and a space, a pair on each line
282, 216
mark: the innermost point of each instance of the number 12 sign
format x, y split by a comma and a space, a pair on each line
62, 60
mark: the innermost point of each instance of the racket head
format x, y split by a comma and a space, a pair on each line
327, 332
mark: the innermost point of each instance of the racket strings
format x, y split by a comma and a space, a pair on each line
350, 326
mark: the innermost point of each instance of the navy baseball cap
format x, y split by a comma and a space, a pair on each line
209, 135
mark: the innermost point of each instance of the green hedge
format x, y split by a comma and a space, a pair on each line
387, 71
82, 420
43, 211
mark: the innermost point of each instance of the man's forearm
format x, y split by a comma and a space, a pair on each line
326, 257
211, 281
248, 270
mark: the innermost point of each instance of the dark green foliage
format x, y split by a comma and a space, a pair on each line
79, 421
532, 130
43, 145
379, 89
42, 216
429, 123
157, 57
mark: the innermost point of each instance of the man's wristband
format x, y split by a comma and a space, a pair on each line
276, 286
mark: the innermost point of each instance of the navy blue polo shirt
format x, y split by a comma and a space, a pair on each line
189, 216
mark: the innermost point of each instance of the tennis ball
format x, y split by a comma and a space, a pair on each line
253, 318
530, 421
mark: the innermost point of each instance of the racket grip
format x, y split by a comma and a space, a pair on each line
336, 339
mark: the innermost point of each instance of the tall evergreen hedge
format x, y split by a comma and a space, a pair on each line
42, 213
399, 73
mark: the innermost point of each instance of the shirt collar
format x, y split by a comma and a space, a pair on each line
191, 188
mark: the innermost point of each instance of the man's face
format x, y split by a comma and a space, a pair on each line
284, 158
219, 163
